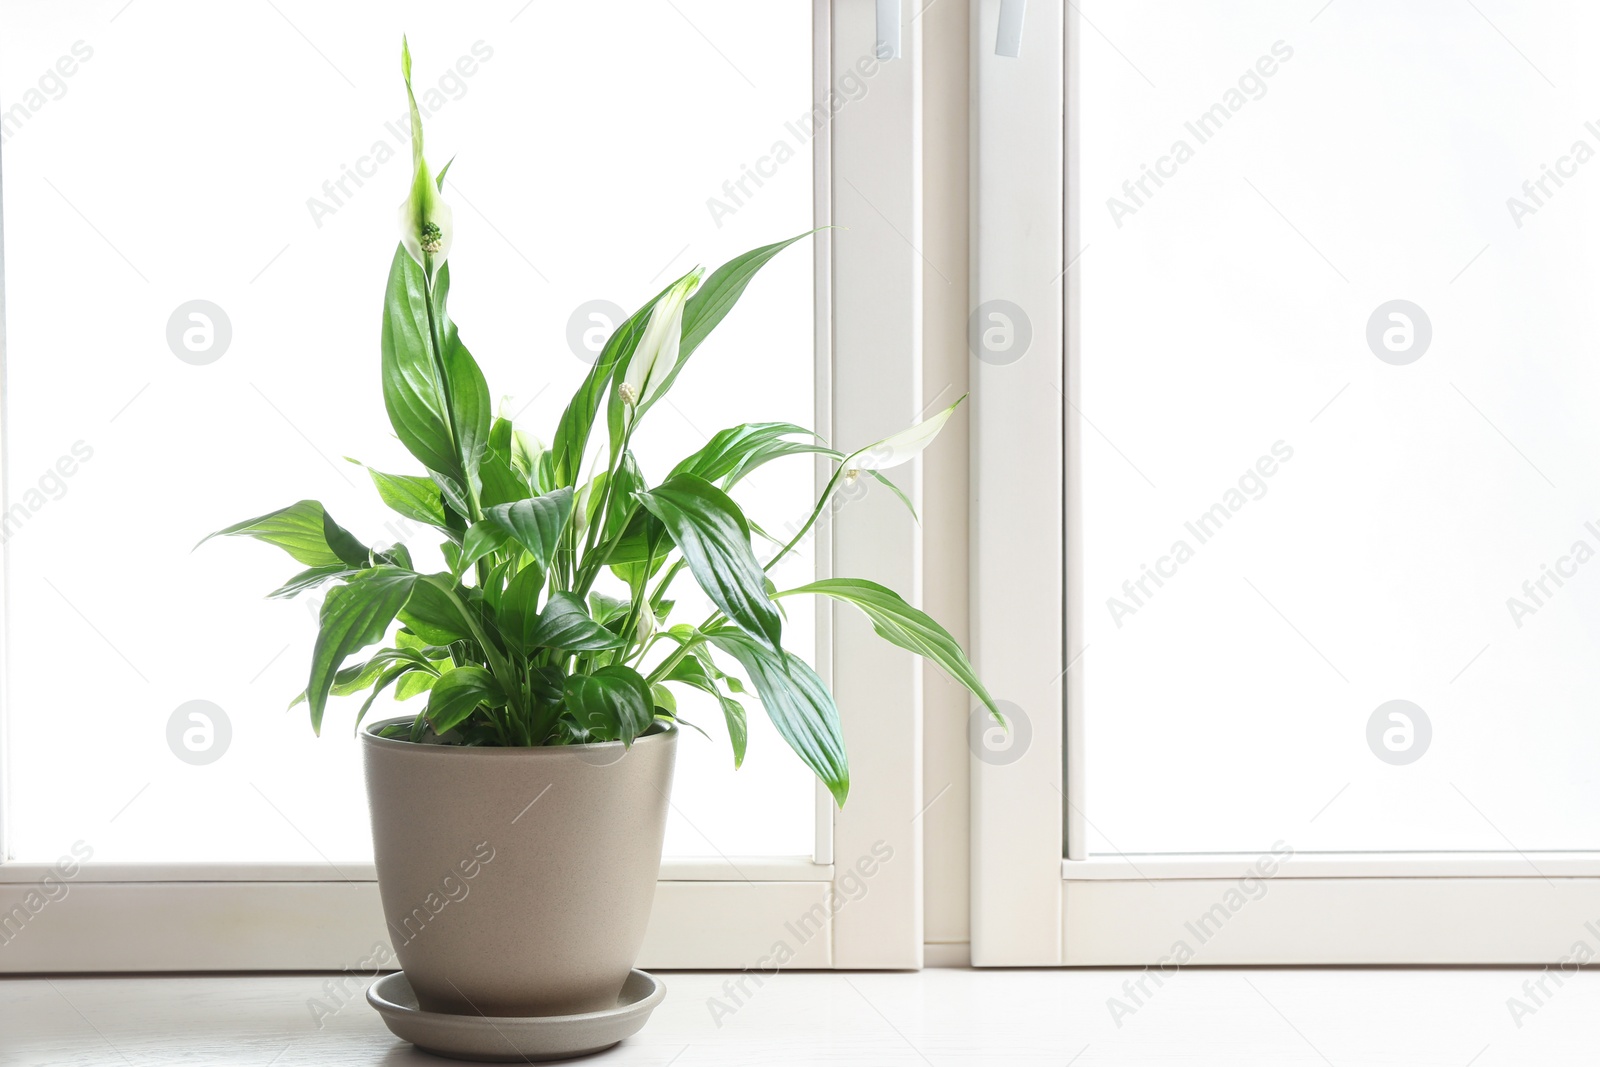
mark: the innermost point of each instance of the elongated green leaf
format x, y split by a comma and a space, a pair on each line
411, 495
709, 305
394, 674
771, 450
355, 615
900, 624
310, 579
799, 705
565, 624
692, 672
507, 465
456, 696
414, 383
470, 408
435, 393
305, 531
729, 448
518, 612
715, 539
353, 679
714, 299
612, 704
537, 524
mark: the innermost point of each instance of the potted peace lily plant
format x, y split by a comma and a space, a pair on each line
546, 657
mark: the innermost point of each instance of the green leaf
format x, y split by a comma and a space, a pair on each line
457, 695
729, 449
415, 683
502, 483
306, 532
482, 538
354, 679
612, 704
704, 310
394, 674
433, 390
309, 579
715, 539
412, 496
605, 608
566, 625
433, 616
537, 524
470, 408
713, 300
518, 613
503, 480
692, 672
907, 627
414, 389
799, 705
355, 615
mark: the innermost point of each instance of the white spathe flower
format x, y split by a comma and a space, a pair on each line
425, 219
657, 353
904, 446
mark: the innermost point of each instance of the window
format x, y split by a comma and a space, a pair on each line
196, 226
1321, 517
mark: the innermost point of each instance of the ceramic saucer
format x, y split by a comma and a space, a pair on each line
502, 1039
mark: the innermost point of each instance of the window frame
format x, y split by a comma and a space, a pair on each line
1037, 898
728, 913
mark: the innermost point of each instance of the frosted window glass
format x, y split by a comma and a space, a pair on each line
1338, 370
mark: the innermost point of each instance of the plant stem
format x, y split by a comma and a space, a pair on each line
822, 502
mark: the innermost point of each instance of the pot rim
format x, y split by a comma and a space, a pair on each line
369, 737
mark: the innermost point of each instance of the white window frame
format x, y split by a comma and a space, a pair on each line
728, 913
1037, 898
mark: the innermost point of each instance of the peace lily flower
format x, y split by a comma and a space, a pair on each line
425, 219
657, 353
903, 446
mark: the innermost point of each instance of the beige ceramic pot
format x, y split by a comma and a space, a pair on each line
517, 881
